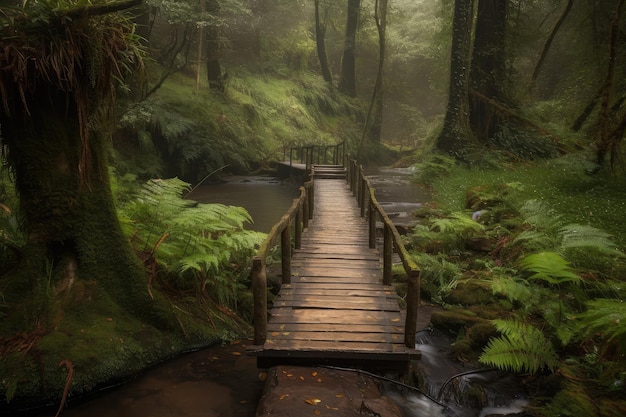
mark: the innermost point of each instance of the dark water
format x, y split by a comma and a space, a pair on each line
218, 382
265, 198
397, 194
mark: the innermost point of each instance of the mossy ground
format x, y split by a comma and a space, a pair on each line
103, 343
589, 380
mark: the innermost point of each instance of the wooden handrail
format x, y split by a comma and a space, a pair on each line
301, 211
392, 241
316, 154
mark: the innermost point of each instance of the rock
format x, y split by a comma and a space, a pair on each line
292, 391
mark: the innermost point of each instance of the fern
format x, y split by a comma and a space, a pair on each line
521, 348
549, 267
606, 317
196, 242
457, 224
513, 288
589, 238
536, 240
540, 216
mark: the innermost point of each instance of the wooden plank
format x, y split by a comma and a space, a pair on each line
322, 291
326, 346
339, 286
343, 328
337, 337
356, 304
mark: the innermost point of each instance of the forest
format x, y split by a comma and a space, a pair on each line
511, 112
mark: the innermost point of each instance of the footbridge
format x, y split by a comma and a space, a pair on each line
336, 305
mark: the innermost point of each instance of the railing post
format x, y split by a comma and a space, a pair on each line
364, 195
413, 300
387, 254
305, 208
297, 229
311, 199
259, 291
372, 225
285, 253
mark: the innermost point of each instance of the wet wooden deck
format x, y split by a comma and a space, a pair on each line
336, 311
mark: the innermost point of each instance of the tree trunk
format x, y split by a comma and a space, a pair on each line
455, 135
606, 142
73, 233
488, 69
374, 119
214, 72
320, 40
347, 81
555, 29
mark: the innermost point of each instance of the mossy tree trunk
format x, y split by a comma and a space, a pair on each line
455, 135
72, 228
488, 69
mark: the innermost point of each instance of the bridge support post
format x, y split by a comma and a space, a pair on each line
413, 300
259, 291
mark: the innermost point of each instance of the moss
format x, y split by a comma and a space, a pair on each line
612, 408
572, 402
454, 320
469, 294
479, 334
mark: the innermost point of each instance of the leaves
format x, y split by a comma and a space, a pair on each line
196, 241
549, 267
521, 348
604, 316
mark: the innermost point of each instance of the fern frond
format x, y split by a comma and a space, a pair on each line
199, 262
521, 348
604, 316
536, 240
549, 267
456, 223
513, 288
588, 237
539, 215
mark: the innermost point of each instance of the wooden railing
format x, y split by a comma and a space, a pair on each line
316, 154
298, 216
363, 191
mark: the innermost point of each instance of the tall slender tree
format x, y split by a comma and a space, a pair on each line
374, 119
610, 135
320, 41
347, 80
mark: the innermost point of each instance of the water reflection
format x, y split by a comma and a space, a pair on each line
265, 198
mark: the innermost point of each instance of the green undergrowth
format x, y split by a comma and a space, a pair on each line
251, 124
527, 261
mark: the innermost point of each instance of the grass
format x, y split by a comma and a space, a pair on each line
563, 184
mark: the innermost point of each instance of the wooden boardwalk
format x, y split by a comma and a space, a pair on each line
336, 311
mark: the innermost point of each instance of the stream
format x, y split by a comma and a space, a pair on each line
223, 381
